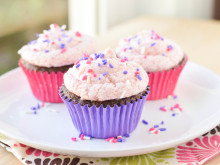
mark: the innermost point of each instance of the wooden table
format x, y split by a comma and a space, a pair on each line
200, 39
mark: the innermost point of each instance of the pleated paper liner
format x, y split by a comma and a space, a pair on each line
44, 85
100, 122
163, 83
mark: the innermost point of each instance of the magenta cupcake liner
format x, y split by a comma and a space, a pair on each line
163, 83
100, 122
45, 86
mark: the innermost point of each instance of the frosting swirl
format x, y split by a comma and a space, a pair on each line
150, 50
103, 76
57, 47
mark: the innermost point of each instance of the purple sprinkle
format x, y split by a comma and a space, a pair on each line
80, 135
37, 34
104, 61
173, 114
38, 106
130, 48
139, 41
156, 126
46, 51
123, 140
77, 66
99, 78
111, 66
35, 112
119, 140
96, 55
104, 74
154, 43
162, 38
175, 97
127, 135
59, 39
162, 129
70, 40
64, 35
162, 122
101, 55
163, 54
85, 58
32, 42
62, 46
125, 72
170, 47
99, 64
137, 69
33, 108
139, 77
145, 122
46, 41
62, 30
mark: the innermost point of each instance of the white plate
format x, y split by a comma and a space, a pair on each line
198, 93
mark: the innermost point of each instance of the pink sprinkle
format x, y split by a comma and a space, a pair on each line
171, 108
176, 105
91, 58
84, 77
86, 55
55, 25
109, 139
78, 34
151, 37
35, 50
156, 132
15, 145
77, 62
181, 110
74, 139
63, 50
94, 75
88, 62
42, 104
163, 109
145, 57
52, 42
46, 35
151, 129
82, 137
90, 70
114, 141
136, 73
125, 49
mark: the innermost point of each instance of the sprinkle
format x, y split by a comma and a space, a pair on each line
156, 126
145, 57
157, 132
35, 50
123, 60
35, 112
88, 62
63, 50
127, 135
46, 51
154, 43
38, 35
38, 106
130, 48
125, 49
110, 65
70, 40
63, 27
163, 108
77, 62
53, 43
74, 139
48, 41
87, 137
175, 97
59, 39
64, 35
32, 42
104, 74
104, 61
119, 137
101, 55
173, 114
46, 36
78, 65
33, 108
139, 77
84, 77
90, 71
161, 38
162, 122
82, 137
139, 41
143, 50
125, 72
99, 78
162, 129
137, 69
122, 95
88, 79
145, 122
176, 106
62, 46
163, 54
169, 47
42, 104
78, 34
94, 75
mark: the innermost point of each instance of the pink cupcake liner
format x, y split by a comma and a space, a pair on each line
100, 122
163, 83
44, 85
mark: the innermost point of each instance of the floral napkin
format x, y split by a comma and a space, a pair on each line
194, 152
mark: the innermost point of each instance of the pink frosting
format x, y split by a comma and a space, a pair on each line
100, 78
57, 47
150, 50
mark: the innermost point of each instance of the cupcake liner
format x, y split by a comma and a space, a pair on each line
163, 83
44, 85
100, 122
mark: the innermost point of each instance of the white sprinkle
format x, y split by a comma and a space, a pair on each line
63, 27
87, 138
122, 95
51, 110
128, 82
143, 50
88, 79
170, 97
176, 110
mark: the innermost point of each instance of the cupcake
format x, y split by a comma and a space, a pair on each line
46, 59
161, 58
105, 95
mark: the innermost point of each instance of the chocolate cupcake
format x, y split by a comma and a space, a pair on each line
45, 60
161, 58
105, 95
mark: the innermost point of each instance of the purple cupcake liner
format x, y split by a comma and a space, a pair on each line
100, 122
